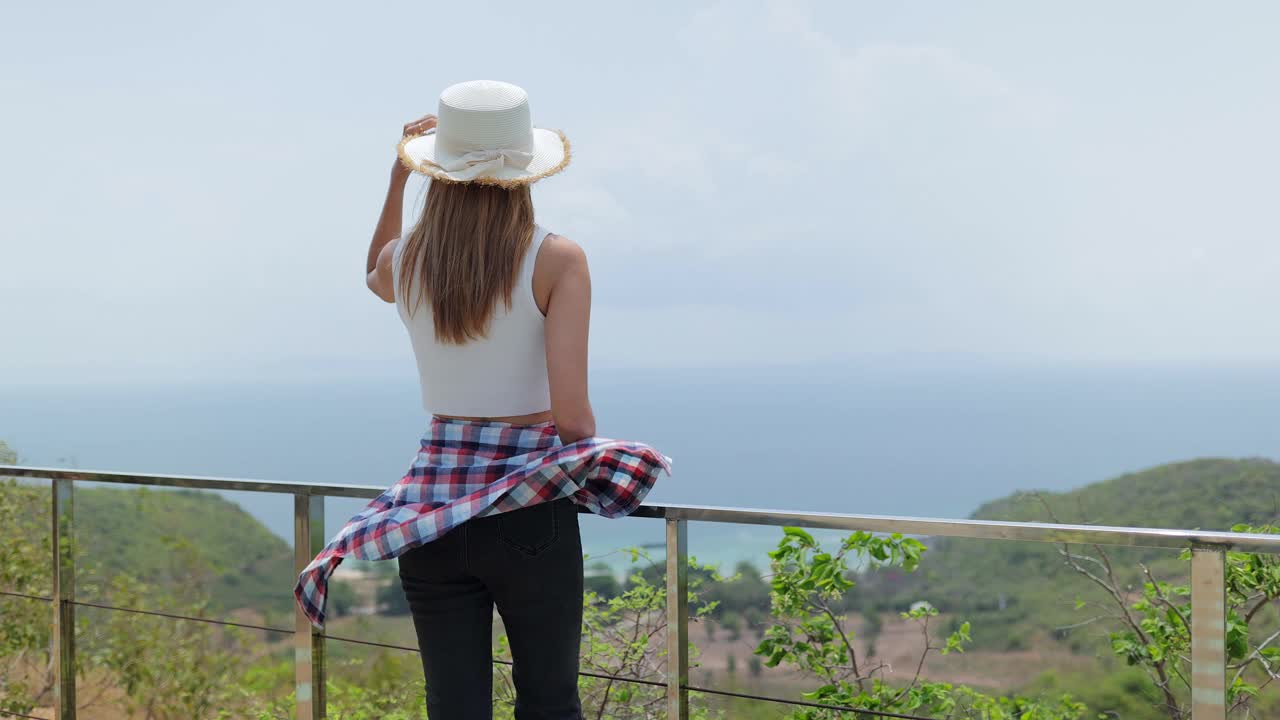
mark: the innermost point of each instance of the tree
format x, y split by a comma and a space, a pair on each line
25, 670
392, 600
168, 669
342, 599
813, 636
745, 590
623, 639
1154, 630
601, 581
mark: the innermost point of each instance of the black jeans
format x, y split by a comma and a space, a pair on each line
527, 562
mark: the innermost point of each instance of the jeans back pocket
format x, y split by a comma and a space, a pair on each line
530, 529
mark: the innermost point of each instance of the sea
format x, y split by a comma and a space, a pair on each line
888, 439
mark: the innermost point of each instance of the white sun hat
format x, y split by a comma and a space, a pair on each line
484, 134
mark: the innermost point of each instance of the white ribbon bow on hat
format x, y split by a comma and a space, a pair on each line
485, 162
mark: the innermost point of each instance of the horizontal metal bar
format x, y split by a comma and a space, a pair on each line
982, 529
198, 482
174, 616
499, 661
807, 703
25, 596
371, 643
616, 678
934, 527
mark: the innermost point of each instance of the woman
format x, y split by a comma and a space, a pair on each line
497, 311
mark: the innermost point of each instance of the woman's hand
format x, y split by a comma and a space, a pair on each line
420, 126
400, 171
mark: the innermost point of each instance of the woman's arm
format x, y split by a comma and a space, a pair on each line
568, 312
378, 263
379, 276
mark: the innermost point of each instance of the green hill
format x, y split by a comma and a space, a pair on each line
1015, 591
1206, 494
172, 538
159, 534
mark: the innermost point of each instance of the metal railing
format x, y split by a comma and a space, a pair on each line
1208, 563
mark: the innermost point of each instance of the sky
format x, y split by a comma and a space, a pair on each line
187, 190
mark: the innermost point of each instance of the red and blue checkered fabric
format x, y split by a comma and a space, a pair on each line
471, 469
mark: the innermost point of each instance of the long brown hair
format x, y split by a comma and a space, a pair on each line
464, 254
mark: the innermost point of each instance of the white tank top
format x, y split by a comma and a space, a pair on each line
503, 373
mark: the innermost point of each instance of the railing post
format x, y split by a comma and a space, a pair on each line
64, 592
1208, 633
308, 643
677, 619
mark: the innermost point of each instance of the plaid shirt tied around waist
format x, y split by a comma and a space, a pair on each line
468, 469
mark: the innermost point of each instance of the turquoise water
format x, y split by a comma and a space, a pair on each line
861, 440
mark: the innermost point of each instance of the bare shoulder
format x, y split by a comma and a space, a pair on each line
561, 253
561, 262
557, 258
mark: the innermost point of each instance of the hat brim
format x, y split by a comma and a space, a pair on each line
550, 156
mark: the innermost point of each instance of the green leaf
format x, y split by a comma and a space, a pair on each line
799, 533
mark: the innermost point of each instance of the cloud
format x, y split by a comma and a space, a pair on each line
977, 213
769, 183
580, 207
